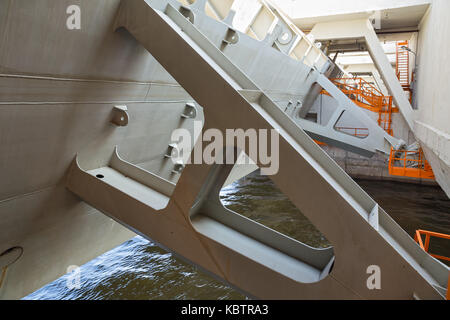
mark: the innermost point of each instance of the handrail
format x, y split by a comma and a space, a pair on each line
426, 246
422, 171
362, 85
402, 63
356, 134
402, 68
361, 81
369, 97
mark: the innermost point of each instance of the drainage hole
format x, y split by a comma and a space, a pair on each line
100, 176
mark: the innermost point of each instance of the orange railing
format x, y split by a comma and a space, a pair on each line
402, 67
402, 63
367, 96
385, 116
320, 143
401, 162
410, 164
357, 132
362, 91
426, 247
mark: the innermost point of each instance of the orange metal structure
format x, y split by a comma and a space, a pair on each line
363, 93
385, 116
410, 164
402, 67
357, 132
320, 143
426, 247
367, 96
401, 162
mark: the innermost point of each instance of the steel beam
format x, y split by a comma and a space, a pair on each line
195, 225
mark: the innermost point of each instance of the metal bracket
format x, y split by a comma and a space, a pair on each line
171, 150
190, 112
179, 167
231, 37
120, 116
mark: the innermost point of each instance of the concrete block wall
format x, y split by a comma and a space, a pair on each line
375, 168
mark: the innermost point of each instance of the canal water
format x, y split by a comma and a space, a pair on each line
138, 269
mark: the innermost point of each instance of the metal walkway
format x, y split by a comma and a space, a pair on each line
189, 220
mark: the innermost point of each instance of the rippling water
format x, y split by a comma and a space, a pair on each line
138, 269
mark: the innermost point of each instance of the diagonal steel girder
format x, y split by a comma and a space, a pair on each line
195, 226
264, 54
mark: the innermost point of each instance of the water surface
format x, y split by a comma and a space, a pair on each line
138, 269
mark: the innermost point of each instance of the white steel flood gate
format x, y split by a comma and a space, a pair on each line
290, 82
189, 220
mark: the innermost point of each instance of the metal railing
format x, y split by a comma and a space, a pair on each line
369, 97
410, 164
357, 132
426, 246
362, 91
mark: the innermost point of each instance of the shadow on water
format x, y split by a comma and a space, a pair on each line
140, 270
414, 207
257, 198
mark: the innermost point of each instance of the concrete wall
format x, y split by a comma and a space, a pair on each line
333, 7
375, 168
432, 126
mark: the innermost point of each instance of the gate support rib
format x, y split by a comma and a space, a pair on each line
307, 176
